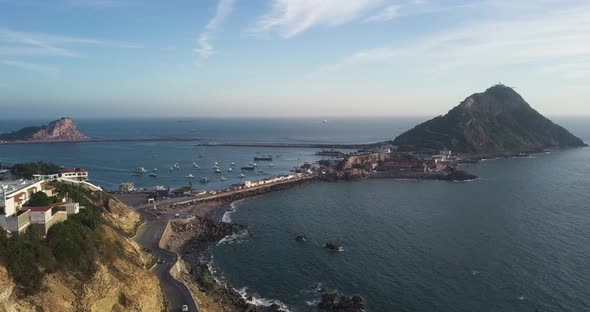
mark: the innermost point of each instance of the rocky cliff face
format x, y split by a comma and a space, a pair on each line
120, 283
63, 129
496, 122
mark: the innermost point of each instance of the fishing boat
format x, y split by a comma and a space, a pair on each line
204, 180
176, 166
263, 158
233, 164
247, 168
153, 175
223, 178
140, 170
217, 170
230, 169
271, 165
155, 170
190, 176
171, 168
242, 175
195, 165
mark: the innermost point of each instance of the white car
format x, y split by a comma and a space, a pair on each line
185, 308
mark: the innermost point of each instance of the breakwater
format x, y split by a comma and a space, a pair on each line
243, 193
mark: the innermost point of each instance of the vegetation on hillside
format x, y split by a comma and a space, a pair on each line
40, 199
497, 121
73, 246
27, 170
22, 134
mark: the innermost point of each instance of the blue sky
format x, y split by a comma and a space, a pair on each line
103, 58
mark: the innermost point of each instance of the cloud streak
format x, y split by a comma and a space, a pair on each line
293, 17
205, 49
18, 43
556, 37
30, 66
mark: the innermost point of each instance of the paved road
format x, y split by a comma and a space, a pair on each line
148, 236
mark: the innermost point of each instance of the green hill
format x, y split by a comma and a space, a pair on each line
496, 122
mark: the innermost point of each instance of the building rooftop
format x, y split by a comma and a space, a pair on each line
11, 187
73, 170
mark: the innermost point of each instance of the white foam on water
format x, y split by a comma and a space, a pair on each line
232, 208
261, 302
237, 238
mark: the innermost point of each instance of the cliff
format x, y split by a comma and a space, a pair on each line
496, 122
109, 274
63, 129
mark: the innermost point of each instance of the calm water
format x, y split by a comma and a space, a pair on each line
523, 229
111, 163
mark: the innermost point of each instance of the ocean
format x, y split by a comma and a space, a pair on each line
517, 239
112, 163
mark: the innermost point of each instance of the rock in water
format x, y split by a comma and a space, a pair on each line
339, 303
496, 122
333, 247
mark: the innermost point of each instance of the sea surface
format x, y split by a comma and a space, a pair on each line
112, 163
517, 239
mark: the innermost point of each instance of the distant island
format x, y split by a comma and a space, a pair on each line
61, 130
497, 122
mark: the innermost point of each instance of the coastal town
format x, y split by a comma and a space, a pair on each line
16, 216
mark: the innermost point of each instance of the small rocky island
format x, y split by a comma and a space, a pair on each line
61, 130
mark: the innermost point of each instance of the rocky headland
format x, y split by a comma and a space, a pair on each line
61, 130
497, 122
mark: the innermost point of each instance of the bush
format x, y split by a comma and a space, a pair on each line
27, 170
39, 199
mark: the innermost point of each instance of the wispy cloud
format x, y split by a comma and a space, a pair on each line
386, 14
30, 66
556, 36
18, 43
292, 17
205, 49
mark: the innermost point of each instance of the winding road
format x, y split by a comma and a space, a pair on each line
148, 236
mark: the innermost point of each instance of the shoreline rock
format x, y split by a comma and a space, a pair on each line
336, 302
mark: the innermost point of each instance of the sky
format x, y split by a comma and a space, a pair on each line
287, 58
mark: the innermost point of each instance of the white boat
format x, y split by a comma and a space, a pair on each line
140, 170
216, 163
190, 176
217, 170
155, 170
233, 164
215, 166
254, 165
176, 166
230, 169
242, 175
195, 165
223, 178
171, 168
271, 165
153, 175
